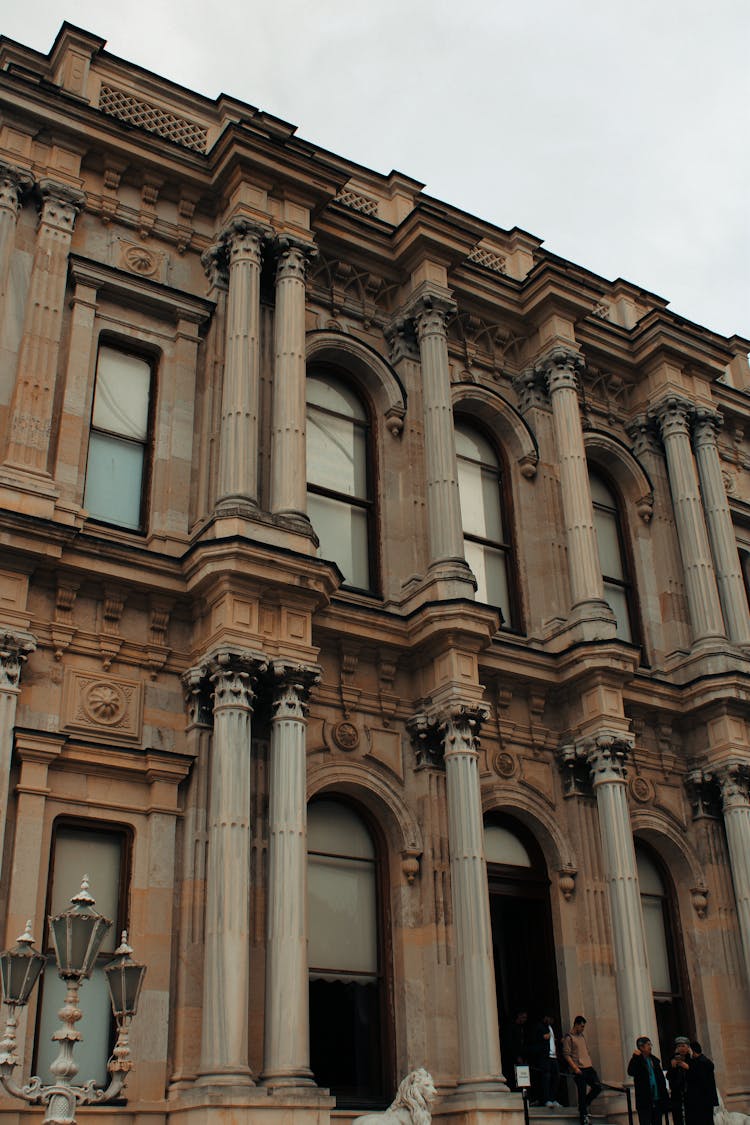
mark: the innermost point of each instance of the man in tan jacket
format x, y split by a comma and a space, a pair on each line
576, 1054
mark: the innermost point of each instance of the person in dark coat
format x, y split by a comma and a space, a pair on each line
677, 1077
649, 1084
700, 1093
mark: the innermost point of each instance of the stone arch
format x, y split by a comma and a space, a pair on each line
539, 818
400, 827
374, 374
511, 429
668, 841
613, 457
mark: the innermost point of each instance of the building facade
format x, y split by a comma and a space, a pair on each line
374, 621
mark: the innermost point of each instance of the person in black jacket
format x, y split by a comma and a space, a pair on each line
700, 1088
651, 1098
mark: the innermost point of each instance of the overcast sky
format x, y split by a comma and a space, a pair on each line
617, 132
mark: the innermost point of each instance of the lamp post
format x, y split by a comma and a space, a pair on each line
77, 935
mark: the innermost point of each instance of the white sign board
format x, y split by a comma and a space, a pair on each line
523, 1077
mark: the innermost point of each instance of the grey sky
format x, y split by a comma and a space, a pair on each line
616, 132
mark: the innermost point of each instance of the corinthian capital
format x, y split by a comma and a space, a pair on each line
706, 425
430, 312
292, 686
14, 184
293, 257
15, 648
531, 388
233, 674
244, 240
60, 205
560, 368
606, 756
460, 729
672, 415
734, 784
215, 264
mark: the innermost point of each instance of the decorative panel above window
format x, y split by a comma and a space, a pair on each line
118, 442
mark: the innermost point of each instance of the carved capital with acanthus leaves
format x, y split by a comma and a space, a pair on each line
460, 729
61, 204
293, 256
733, 779
16, 646
706, 426
560, 368
597, 760
673, 415
703, 794
293, 684
14, 184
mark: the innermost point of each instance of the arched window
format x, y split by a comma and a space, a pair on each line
486, 533
347, 1018
664, 954
339, 500
618, 588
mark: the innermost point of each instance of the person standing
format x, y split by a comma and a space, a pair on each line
677, 1075
700, 1091
544, 1047
576, 1052
649, 1084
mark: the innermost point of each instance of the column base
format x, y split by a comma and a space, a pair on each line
480, 1103
590, 620
289, 1080
239, 1078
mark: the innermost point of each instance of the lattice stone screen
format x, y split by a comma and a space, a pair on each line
488, 259
152, 118
357, 202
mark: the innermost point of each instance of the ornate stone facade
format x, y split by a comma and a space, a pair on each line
505, 767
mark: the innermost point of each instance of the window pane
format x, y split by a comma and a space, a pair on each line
649, 879
656, 943
121, 396
600, 494
471, 444
337, 830
490, 570
114, 480
332, 394
98, 855
336, 454
480, 501
341, 897
503, 846
342, 530
92, 1052
618, 601
610, 556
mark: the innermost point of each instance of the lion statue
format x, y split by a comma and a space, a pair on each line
412, 1103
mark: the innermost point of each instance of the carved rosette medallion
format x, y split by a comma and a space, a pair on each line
140, 260
504, 765
103, 702
641, 790
346, 736
98, 703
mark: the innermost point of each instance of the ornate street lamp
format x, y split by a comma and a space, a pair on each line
77, 935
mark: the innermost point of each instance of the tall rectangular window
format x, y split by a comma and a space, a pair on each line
102, 856
118, 442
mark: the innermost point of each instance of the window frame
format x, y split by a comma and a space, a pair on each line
369, 504
627, 585
505, 500
128, 347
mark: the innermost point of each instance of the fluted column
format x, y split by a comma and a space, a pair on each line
33, 398
720, 527
226, 971
445, 532
241, 242
287, 1030
734, 781
606, 756
560, 369
288, 453
15, 648
673, 416
480, 1067
14, 183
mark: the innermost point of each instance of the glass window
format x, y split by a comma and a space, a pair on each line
118, 440
346, 989
486, 539
100, 855
503, 846
339, 502
612, 559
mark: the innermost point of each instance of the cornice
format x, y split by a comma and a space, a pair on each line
146, 293
662, 335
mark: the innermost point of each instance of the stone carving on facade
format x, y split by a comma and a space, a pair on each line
505, 765
488, 345
643, 435
197, 697
410, 865
412, 1104
733, 779
703, 794
91, 703
293, 684
63, 629
593, 760
402, 340
699, 900
349, 694
605, 394
566, 879
157, 651
672, 415
60, 204
15, 184
352, 290
110, 641
460, 727
345, 735
641, 790
16, 646
387, 666
427, 741
139, 260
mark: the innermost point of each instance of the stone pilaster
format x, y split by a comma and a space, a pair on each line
430, 313
14, 184
239, 249
480, 1068
33, 398
720, 527
734, 783
15, 648
560, 370
287, 1037
673, 415
288, 452
226, 970
605, 755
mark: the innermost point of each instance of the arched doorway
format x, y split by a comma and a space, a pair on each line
522, 938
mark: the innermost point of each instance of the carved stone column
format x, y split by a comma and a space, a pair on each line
480, 1067
15, 648
33, 398
560, 370
606, 755
720, 527
734, 781
287, 1033
673, 417
288, 453
237, 486
226, 970
445, 532
14, 183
